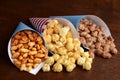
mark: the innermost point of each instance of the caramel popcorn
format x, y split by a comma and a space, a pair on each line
93, 36
27, 50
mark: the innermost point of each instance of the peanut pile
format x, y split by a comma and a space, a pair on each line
28, 50
93, 36
66, 49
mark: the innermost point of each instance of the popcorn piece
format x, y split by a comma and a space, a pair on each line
72, 60
37, 60
89, 60
70, 46
76, 55
32, 52
24, 50
35, 65
64, 31
14, 48
63, 39
70, 67
57, 67
81, 50
77, 44
69, 34
49, 31
51, 47
28, 68
52, 23
85, 54
47, 38
60, 60
15, 55
62, 51
59, 44
56, 57
31, 44
81, 61
50, 61
23, 66
55, 37
46, 68
87, 65
69, 40
57, 28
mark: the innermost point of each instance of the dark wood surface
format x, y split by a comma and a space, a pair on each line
14, 11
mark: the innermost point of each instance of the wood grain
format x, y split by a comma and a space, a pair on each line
14, 11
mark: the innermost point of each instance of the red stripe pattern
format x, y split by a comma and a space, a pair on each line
39, 23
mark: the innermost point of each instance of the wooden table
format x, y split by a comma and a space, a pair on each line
14, 11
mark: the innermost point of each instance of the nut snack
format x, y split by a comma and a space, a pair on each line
93, 36
66, 49
28, 50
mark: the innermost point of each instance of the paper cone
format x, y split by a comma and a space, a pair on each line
40, 24
21, 26
75, 20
